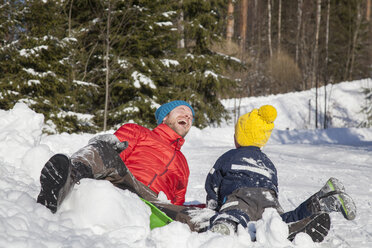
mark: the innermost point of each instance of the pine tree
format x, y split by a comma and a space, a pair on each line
200, 74
35, 65
10, 28
132, 39
70, 58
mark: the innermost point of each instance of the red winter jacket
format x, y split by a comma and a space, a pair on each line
155, 159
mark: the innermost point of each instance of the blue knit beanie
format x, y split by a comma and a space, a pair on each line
166, 108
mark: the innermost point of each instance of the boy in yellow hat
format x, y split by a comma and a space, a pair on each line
243, 182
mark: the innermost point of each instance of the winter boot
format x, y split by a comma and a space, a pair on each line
224, 227
333, 184
57, 179
332, 198
316, 226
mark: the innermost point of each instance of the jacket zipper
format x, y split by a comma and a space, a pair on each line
166, 167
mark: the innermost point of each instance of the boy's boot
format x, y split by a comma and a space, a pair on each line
57, 179
316, 226
332, 198
224, 227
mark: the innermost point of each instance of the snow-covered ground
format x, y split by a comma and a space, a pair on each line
99, 215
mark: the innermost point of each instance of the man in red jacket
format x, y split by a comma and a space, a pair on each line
143, 161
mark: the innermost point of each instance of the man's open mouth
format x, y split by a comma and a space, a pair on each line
182, 122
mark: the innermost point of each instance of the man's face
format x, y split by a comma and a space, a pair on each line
180, 120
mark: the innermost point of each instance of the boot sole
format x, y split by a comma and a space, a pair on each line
54, 176
316, 226
346, 204
348, 208
335, 185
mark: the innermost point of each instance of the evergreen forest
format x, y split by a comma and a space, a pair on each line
92, 65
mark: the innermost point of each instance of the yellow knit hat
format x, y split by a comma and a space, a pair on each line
254, 128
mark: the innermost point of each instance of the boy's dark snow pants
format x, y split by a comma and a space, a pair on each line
248, 204
104, 162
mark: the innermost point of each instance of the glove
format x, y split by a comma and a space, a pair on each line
112, 140
212, 204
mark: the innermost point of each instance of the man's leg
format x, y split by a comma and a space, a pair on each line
106, 164
58, 176
57, 179
100, 160
192, 216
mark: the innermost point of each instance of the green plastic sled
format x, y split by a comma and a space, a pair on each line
157, 218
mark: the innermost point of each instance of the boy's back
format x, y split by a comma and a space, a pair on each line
245, 166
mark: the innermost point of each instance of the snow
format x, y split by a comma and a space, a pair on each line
169, 14
29, 52
97, 214
140, 78
169, 62
82, 117
164, 23
33, 81
39, 74
210, 73
82, 83
344, 104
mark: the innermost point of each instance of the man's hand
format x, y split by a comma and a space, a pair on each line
112, 140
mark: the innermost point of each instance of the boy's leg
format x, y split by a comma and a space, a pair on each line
312, 215
332, 198
301, 212
316, 226
242, 206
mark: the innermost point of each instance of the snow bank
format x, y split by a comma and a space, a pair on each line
20, 130
296, 110
97, 205
96, 214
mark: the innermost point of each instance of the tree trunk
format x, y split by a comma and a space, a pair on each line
299, 24
315, 53
243, 26
269, 27
355, 39
107, 65
230, 21
181, 27
69, 35
315, 59
259, 30
305, 60
69, 18
279, 23
255, 31
326, 65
